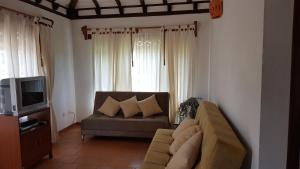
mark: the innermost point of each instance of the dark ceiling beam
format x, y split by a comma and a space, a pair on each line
148, 5
165, 2
144, 6
143, 15
44, 7
71, 12
97, 10
72, 4
121, 9
38, 1
189, 1
55, 6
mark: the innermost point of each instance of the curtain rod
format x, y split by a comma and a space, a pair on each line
25, 14
87, 36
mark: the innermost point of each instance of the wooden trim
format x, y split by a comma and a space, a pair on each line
199, 11
44, 7
121, 8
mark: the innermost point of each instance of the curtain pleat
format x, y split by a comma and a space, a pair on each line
112, 62
47, 67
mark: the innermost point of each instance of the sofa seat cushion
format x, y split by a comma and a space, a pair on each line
119, 123
147, 165
159, 147
162, 138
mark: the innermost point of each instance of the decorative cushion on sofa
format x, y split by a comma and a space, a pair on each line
130, 107
187, 122
110, 107
183, 137
187, 154
149, 106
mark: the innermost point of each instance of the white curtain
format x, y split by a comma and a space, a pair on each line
179, 52
112, 60
149, 72
18, 48
46, 63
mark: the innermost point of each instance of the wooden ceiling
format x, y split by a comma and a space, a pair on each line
89, 9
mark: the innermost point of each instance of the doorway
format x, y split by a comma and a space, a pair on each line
293, 158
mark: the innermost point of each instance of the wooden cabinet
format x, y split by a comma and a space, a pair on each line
29, 146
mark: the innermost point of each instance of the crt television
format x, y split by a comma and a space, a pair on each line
19, 96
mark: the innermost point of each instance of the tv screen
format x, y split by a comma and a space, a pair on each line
32, 92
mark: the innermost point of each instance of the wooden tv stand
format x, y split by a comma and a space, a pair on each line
22, 149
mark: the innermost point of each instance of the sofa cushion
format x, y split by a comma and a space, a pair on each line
110, 107
130, 107
118, 123
159, 147
187, 154
162, 138
183, 137
220, 146
187, 122
149, 106
167, 132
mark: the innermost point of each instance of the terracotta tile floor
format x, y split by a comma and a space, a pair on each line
95, 152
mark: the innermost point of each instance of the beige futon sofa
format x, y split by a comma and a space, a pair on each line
220, 149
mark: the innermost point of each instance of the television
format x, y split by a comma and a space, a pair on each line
18, 96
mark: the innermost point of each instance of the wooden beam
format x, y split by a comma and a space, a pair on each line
169, 8
147, 5
121, 10
189, 1
97, 10
71, 12
44, 7
96, 4
38, 1
55, 6
72, 4
142, 14
165, 2
144, 6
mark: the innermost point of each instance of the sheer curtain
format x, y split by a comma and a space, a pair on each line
179, 52
46, 63
148, 72
112, 60
18, 57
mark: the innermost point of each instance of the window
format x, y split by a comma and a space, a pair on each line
148, 69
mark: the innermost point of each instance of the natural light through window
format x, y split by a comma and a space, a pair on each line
147, 62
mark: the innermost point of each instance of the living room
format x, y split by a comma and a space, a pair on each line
241, 63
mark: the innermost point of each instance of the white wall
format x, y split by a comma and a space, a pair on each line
276, 83
236, 69
83, 55
64, 90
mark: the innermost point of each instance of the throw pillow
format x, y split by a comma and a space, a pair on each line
110, 107
182, 138
130, 107
149, 106
187, 122
187, 154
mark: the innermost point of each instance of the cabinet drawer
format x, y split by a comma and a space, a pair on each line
35, 144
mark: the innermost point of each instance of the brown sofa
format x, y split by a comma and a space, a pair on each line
220, 149
99, 124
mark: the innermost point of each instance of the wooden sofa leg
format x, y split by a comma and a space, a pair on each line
82, 137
